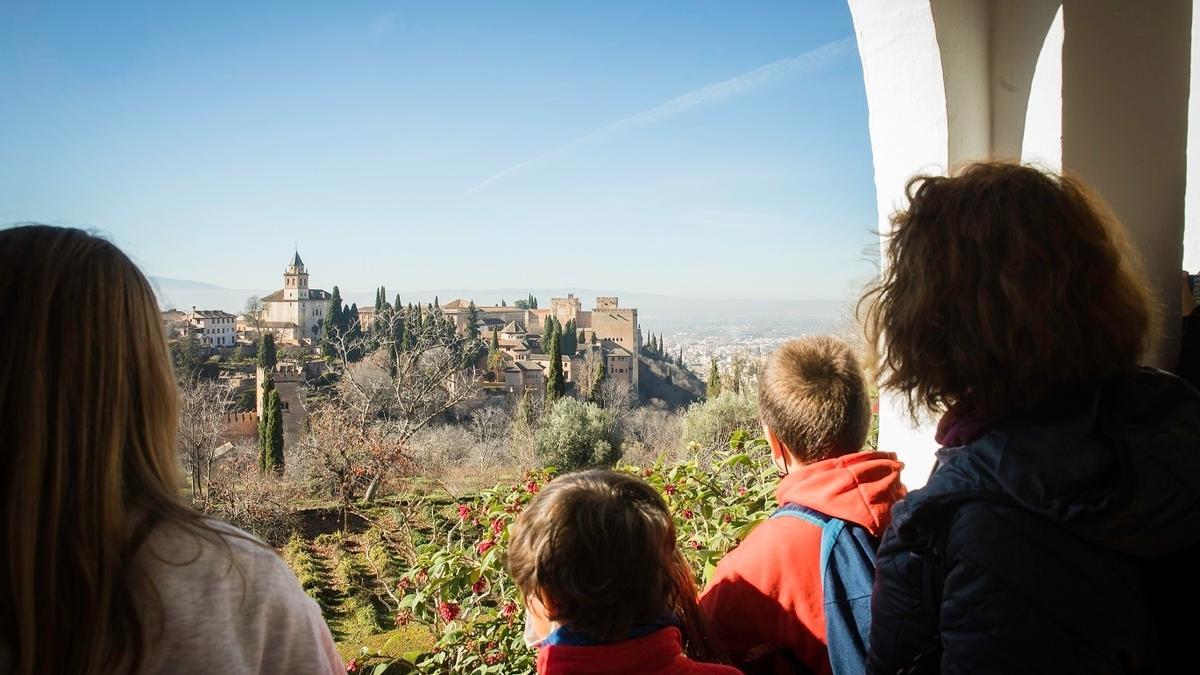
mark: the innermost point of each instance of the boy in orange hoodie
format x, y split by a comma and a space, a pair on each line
765, 605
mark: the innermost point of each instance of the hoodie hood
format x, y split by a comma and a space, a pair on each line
860, 488
1122, 471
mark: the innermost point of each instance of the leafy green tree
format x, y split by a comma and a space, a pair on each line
266, 352
520, 304
576, 434
185, 354
714, 380
710, 423
556, 385
547, 332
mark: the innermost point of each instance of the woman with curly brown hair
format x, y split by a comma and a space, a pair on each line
105, 569
1068, 484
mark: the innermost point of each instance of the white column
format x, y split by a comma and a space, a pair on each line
906, 102
1126, 73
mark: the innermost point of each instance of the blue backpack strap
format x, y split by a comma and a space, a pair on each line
847, 578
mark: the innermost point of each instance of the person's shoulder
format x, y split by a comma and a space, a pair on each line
772, 549
211, 554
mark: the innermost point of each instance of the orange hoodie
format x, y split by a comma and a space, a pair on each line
765, 603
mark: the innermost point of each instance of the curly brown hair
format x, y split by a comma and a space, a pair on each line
1003, 284
601, 546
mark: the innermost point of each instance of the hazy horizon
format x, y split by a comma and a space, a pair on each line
183, 293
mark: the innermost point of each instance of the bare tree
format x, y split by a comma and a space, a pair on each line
255, 312
412, 370
619, 397
204, 406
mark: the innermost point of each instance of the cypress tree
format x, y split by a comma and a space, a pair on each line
494, 357
680, 361
435, 302
353, 333
547, 331
472, 319
714, 380
599, 372
569, 338
556, 385
266, 352
332, 323
503, 303
264, 422
272, 450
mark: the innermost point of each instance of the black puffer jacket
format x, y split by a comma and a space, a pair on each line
1051, 545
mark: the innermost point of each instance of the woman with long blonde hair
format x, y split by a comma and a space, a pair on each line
105, 570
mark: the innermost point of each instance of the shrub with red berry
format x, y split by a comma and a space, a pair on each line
458, 587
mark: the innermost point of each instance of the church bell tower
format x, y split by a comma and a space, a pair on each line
295, 280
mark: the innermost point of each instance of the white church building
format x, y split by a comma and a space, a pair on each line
295, 312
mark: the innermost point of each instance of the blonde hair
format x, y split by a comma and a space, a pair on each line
814, 397
601, 545
1003, 285
88, 464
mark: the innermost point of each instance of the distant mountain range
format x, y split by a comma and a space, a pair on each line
183, 294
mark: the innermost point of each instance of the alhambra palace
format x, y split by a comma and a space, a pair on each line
294, 315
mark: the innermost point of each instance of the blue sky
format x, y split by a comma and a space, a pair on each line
693, 148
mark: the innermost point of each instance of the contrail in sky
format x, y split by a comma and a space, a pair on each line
706, 95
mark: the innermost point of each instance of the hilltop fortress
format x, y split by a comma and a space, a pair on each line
296, 312
609, 328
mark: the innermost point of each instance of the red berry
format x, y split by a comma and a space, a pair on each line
484, 546
687, 514
352, 666
404, 617
531, 487
509, 610
669, 488
726, 518
646, 473
464, 512
742, 491
492, 658
479, 586
448, 611
497, 526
